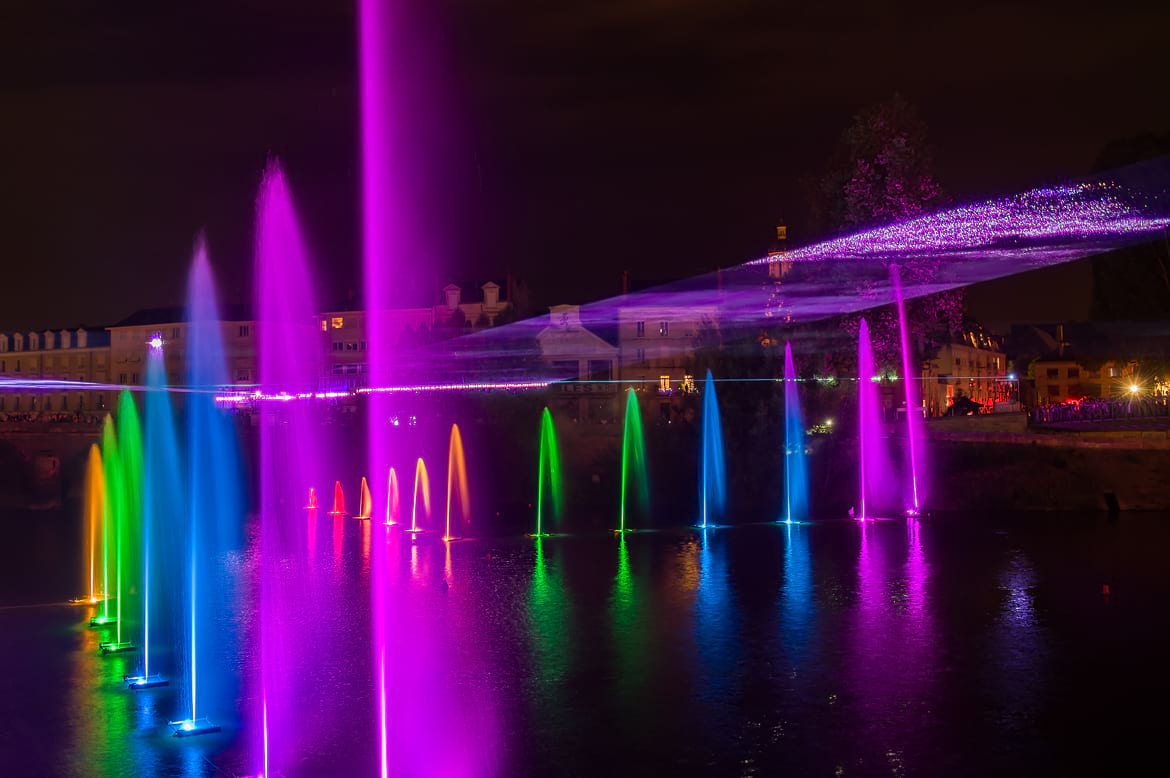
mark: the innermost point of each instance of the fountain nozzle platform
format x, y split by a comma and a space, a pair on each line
192, 727
144, 681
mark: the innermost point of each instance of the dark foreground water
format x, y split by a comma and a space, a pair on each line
969, 646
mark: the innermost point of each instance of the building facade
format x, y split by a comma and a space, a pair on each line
130, 341
586, 361
970, 369
81, 355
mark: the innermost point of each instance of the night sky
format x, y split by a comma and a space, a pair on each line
562, 141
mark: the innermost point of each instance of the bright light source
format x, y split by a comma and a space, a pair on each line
1133, 388
1011, 376
828, 422
156, 342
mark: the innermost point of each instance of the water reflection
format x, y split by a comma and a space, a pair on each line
1018, 645
797, 607
717, 621
895, 648
894, 669
628, 630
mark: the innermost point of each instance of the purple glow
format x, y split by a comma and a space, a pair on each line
383, 216
1065, 214
873, 467
914, 437
288, 362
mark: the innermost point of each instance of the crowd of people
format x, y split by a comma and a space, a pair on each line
1100, 410
46, 417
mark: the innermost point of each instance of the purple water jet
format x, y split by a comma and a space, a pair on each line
873, 466
289, 361
914, 437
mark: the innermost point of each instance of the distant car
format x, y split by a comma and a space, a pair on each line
964, 406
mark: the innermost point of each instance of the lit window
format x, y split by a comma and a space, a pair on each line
664, 328
641, 329
338, 322
324, 325
688, 383
664, 383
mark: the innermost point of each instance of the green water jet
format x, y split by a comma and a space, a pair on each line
633, 456
548, 470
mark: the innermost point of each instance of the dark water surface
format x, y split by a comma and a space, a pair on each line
966, 646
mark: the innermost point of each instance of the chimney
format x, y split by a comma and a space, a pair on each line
453, 295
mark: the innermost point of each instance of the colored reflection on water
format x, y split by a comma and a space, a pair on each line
1017, 644
797, 606
895, 648
717, 624
894, 664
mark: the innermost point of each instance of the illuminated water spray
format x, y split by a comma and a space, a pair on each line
873, 466
161, 490
338, 500
213, 512
393, 501
288, 362
124, 469
422, 487
795, 469
112, 485
548, 471
914, 437
713, 482
457, 478
364, 507
95, 487
633, 458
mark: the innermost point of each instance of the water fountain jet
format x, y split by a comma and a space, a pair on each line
548, 464
456, 476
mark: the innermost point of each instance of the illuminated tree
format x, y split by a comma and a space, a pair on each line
882, 172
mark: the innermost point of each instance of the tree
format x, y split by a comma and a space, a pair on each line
882, 172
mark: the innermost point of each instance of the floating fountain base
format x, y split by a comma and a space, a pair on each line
540, 534
86, 600
144, 681
117, 647
192, 727
102, 621
362, 518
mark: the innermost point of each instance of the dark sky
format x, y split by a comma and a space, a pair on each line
566, 141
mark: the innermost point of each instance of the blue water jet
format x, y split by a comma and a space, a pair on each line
795, 468
214, 514
713, 481
162, 492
